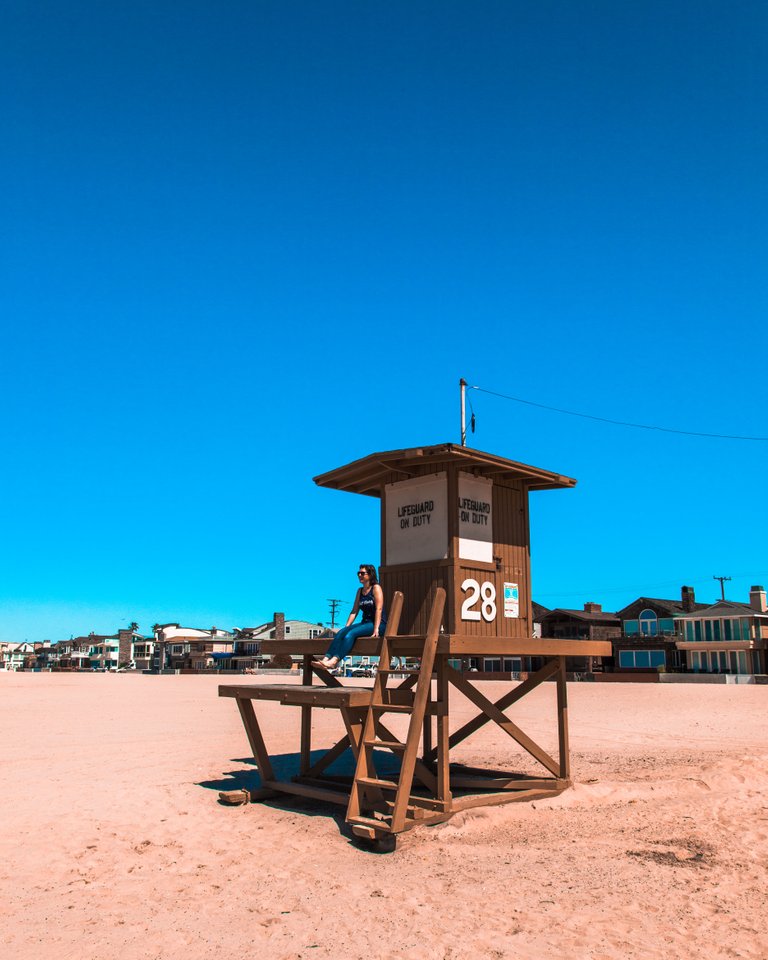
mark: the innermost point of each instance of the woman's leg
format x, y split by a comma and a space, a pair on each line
346, 638
337, 644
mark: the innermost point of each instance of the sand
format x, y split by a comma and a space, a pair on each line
114, 845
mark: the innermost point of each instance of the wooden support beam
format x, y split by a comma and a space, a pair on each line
328, 757
255, 739
480, 782
306, 721
325, 675
548, 670
353, 721
562, 721
306, 790
508, 796
443, 736
500, 718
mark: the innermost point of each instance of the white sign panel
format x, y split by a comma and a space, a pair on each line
475, 518
417, 519
511, 601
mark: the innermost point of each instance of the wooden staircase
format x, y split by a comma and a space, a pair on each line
380, 807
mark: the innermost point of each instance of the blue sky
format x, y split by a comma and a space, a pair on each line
245, 243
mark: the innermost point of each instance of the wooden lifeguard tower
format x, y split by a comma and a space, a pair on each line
456, 574
455, 518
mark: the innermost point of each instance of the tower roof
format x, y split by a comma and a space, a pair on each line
368, 475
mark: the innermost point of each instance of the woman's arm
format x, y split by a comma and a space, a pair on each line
355, 607
378, 599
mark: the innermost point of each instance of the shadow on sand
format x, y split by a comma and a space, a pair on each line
285, 767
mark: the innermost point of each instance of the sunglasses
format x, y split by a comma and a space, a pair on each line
362, 573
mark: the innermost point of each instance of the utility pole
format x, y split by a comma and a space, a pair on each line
334, 604
463, 389
722, 587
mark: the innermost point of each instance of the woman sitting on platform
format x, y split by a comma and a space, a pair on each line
370, 599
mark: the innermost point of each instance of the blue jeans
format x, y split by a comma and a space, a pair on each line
346, 638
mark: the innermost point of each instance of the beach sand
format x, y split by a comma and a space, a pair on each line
114, 844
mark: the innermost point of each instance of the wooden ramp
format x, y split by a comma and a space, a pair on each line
377, 806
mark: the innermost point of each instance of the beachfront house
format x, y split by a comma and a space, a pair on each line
591, 623
246, 654
73, 654
649, 633
727, 636
538, 612
143, 652
4, 648
46, 655
189, 649
97, 651
16, 656
508, 664
103, 653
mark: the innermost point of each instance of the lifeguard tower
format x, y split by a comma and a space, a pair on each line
455, 518
455, 570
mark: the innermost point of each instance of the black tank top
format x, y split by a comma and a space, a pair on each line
368, 607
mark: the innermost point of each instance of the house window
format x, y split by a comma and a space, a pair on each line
695, 662
649, 624
641, 659
287, 629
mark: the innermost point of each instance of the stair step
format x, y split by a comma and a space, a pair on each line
406, 673
371, 822
385, 744
375, 782
419, 806
392, 707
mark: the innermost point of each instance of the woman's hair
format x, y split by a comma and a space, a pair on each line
370, 570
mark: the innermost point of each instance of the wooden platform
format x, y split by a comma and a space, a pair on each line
454, 645
429, 787
294, 695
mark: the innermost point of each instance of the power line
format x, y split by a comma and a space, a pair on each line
722, 585
619, 423
334, 605
653, 585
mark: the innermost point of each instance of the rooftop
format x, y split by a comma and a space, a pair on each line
369, 474
582, 615
722, 608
